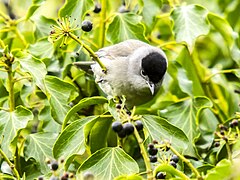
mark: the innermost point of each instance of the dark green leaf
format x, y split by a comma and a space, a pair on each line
185, 114
72, 139
39, 146
76, 8
10, 125
223, 170
35, 67
83, 104
125, 26
59, 94
189, 23
159, 129
114, 160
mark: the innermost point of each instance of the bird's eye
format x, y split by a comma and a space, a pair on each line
143, 73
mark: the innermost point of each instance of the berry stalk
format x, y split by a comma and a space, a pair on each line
187, 162
90, 51
144, 155
12, 166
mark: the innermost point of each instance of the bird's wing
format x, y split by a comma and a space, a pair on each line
122, 49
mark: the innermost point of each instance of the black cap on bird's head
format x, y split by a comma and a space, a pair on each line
154, 66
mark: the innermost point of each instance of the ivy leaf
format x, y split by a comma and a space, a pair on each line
159, 129
189, 23
35, 67
11, 123
59, 94
35, 5
83, 104
184, 115
39, 146
150, 9
76, 8
42, 49
230, 37
114, 160
125, 26
72, 139
222, 170
100, 128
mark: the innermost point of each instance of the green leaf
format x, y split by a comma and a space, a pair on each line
35, 5
159, 129
76, 8
230, 37
125, 26
189, 70
222, 170
222, 26
185, 114
39, 146
99, 129
42, 49
114, 162
59, 94
72, 139
150, 9
35, 67
189, 23
83, 104
11, 123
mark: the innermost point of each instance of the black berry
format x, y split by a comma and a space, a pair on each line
40, 178
139, 125
235, 122
54, 166
222, 127
160, 175
118, 106
217, 144
87, 25
129, 128
174, 158
155, 142
153, 159
122, 133
172, 163
64, 178
222, 132
152, 151
231, 125
150, 145
117, 126
97, 8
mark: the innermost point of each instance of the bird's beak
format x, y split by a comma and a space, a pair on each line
151, 86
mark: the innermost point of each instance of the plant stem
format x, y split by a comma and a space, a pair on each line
144, 155
187, 162
10, 164
90, 51
103, 23
229, 152
11, 90
219, 72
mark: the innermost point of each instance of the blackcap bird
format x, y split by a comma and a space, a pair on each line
134, 69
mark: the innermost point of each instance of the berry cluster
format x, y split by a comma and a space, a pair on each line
153, 149
229, 133
57, 171
127, 128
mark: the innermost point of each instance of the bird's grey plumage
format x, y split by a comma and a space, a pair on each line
124, 71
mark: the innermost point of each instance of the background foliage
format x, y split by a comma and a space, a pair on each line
51, 110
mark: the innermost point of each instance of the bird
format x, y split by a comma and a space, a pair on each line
134, 70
